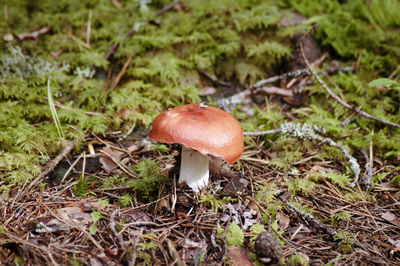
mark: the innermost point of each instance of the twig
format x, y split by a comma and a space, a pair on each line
274, 90
73, 224
272, 131
49, 167
309, 218
394, 72
334, 96
89, 28
132, 261
71, 167
306, 131
151, 224
347, 121
293, 74
5, 11
112, 227
117, 4
214, 79
117, 162
25, 242
105, 87
365, 181
79, 41
110, 53
33, 35
83, 166
229, 102
122, 72
166, 8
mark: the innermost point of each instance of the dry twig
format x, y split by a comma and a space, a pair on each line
259, 133
33, 35
365, 181
49, 167
330, 92
122, 72
309, 218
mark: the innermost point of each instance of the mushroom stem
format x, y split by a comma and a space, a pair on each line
194, 169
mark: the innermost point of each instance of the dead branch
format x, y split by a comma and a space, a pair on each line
309, 218
330, 92
125, 169
275, 91
272, 131
49, 167
122, 72
166, 8
33, 35
214, 79
258, 87
89, 27
365, 181
112, 227
293, 74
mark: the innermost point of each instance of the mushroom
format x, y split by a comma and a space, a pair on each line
202, 130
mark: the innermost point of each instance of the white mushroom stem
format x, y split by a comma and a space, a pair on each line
194, 169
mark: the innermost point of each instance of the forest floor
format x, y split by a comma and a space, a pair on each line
82, 184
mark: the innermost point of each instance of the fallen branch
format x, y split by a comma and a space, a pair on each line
122, 72
334, 96
275, 91
49, 167
272, 131
305, 131
293, 74
259, 87
125, 169
112, 227
33, 35
214, 79
309, 218
166, 8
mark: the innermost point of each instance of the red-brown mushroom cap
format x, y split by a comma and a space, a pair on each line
208, 130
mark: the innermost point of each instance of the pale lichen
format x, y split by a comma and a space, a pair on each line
305, 131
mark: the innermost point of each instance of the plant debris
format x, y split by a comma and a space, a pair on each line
81, 184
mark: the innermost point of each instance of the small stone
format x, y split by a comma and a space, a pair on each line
267, 248
8, 37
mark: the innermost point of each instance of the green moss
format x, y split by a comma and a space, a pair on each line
345, 242
234, 235
300, 185
149, 179
235, 40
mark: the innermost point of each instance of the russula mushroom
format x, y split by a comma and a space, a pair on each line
202, 130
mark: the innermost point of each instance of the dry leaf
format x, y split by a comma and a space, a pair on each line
283, 220
106, 162
206, 91
395, 244
191, 250
174, 254
391, 218
239, 256
123, 112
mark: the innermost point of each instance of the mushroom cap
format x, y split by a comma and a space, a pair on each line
208, 130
